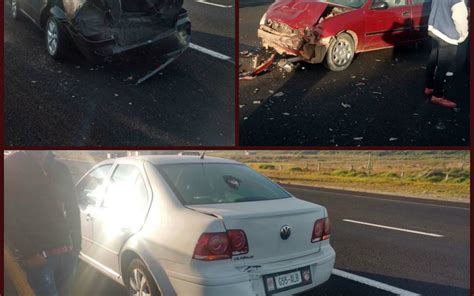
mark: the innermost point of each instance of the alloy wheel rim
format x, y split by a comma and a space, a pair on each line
342, 53
139, 284
14, 8
52, 33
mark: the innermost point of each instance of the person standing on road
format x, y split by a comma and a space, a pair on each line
448, 26
42, 220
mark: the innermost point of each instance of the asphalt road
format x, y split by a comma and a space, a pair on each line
75, 103
377, 101
414, 262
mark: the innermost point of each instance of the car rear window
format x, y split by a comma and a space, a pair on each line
350, 3
211, 183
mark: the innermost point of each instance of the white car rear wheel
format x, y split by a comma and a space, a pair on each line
139, 280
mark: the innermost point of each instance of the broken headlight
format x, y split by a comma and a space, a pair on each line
263, 20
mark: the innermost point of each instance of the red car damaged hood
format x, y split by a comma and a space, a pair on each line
299, 13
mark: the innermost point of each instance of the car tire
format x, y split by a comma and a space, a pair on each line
15, 9
55, 38
340, 53
135, 273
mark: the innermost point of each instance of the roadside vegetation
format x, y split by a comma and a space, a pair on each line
424, 174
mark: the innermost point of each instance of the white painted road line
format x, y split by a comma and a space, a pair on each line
213, 4
210, 52
393, 228
372, 283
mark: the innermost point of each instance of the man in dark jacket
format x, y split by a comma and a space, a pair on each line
448, 25
42, 219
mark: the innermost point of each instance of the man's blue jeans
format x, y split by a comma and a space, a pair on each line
54, 278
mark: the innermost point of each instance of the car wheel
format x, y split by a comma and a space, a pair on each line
55, 38
15, 9
139, 280
340, 53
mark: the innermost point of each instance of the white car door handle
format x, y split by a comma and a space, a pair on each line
89, 217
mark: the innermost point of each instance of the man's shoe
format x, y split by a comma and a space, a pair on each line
429, 91
443, 102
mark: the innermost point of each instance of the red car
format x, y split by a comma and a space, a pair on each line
333, 31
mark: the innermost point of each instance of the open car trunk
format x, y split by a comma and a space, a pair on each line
125, 21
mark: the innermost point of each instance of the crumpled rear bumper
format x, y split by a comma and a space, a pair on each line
171, 42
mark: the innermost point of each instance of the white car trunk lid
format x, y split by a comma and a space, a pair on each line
262, 222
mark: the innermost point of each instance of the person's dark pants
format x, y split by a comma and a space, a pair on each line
441, 66
54, 278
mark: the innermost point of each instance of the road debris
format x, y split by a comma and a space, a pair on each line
345, 105
279, 94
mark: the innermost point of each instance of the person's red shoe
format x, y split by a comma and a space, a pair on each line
443, 102
429, 91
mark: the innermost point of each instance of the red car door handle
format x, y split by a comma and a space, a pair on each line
406, 13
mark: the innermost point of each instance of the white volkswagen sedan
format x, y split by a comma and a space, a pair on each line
186, 225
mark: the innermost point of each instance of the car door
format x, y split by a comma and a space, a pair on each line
387, 23
420, 10
120, 214
90, 190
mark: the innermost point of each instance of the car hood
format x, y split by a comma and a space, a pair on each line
299, 13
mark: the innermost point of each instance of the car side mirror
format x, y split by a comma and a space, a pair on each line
379, 5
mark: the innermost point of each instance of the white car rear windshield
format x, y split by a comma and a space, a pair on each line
212, 183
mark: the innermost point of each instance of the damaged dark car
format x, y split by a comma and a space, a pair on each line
101, 29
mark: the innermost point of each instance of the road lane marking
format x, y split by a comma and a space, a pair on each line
210, 52
372, 283
393, 228
213, 4
375, 198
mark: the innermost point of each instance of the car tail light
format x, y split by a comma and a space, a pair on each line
221, 245
321, 230
238, 242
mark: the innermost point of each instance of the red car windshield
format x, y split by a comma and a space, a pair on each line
350, 3
211, 183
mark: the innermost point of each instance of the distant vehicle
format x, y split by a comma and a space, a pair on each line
190, 153
333, 31
103, 28
174, 225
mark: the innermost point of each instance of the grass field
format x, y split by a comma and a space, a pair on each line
425, 174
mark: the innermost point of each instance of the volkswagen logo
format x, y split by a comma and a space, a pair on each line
285, 232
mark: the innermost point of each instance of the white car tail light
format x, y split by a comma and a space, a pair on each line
321, 230
221, 245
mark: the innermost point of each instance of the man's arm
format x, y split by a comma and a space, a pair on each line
460, 18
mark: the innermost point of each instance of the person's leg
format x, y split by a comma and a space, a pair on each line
431, 66
41, 279
65, 273
446, 67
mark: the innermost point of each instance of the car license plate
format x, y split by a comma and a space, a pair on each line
288, 280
